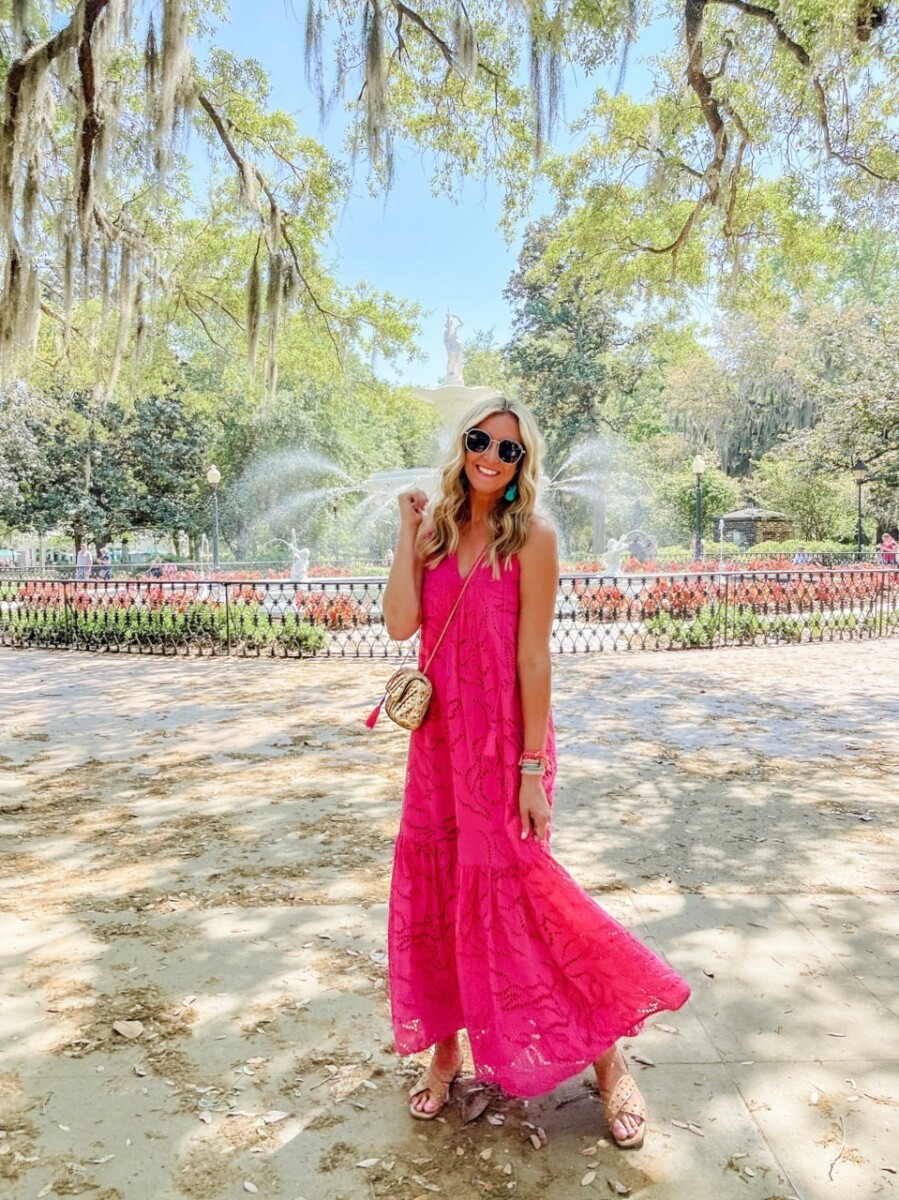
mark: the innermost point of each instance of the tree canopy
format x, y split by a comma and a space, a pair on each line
753, 165
765, 151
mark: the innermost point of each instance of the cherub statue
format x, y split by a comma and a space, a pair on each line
615, 551
300, 568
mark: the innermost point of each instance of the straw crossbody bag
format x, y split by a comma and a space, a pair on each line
409, 690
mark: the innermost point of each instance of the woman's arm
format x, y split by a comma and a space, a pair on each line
402, 595
538, 588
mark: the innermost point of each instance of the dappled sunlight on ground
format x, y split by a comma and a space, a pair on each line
193, 882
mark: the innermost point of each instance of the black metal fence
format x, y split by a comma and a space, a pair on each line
342, 617
277, 568
168, 571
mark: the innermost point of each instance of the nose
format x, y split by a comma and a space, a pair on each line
492, 452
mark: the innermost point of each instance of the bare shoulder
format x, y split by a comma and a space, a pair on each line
541, 547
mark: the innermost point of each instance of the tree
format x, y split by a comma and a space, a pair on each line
663, 194
486, 365
677, 191
819, 505
93, 179
856, 385
798, 400
20, 410
677, 492
563, 336
139, 468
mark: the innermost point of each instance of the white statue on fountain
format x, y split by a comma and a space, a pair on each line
453, 344
453, 396
299, 558
615, 551
300, 564
299, 567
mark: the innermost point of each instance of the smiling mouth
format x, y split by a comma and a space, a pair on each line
487, 471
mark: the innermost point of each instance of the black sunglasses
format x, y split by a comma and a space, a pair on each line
478, 440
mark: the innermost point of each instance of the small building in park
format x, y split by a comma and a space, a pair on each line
746, 526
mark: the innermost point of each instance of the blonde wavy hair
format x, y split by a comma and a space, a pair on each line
510, 520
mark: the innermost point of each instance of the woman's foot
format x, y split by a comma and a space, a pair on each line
623, 1105
431, 1093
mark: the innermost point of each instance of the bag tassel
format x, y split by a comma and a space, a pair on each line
372, 718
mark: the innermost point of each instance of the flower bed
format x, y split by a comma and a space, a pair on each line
682, 597
344, 617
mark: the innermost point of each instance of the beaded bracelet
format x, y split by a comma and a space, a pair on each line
533, 762
538, 756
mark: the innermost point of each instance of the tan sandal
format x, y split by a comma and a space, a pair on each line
439, 1086
625, 1100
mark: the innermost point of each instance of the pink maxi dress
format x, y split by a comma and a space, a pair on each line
487, 932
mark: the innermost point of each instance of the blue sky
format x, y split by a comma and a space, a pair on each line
417, 246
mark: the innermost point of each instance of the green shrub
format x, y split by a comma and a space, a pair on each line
789, 548
199, 625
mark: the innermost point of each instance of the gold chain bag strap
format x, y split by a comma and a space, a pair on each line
409, 690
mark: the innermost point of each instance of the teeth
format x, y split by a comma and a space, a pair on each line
485, 471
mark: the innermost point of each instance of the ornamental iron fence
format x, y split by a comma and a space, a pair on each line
344, 566
342, 617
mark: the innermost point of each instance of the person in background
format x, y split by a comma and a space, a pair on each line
888, 548
801, 557
83, 562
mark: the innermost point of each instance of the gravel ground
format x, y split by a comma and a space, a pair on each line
200, 849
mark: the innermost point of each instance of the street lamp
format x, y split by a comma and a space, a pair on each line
214, 478
860, 475
698, 472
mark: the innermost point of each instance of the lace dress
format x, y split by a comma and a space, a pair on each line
488, 932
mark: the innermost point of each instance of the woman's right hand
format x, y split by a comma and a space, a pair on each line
412, 508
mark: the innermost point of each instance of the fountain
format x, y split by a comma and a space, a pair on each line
299, 566
452, 399
295, 481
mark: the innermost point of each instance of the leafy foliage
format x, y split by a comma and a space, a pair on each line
98, 475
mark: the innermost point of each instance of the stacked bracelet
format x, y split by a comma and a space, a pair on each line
533, 762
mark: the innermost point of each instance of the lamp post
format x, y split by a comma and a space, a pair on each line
860, 475
214, 478
698, 472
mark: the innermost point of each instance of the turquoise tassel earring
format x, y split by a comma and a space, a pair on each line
511, 492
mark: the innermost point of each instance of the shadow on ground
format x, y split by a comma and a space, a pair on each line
201, 849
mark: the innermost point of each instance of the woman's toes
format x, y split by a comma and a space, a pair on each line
626, 1126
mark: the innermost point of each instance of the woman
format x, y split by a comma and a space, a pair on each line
486, 931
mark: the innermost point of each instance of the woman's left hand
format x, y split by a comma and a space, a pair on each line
533, 808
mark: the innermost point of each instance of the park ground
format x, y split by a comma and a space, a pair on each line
194, 869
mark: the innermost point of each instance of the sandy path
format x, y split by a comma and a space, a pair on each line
203, 847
